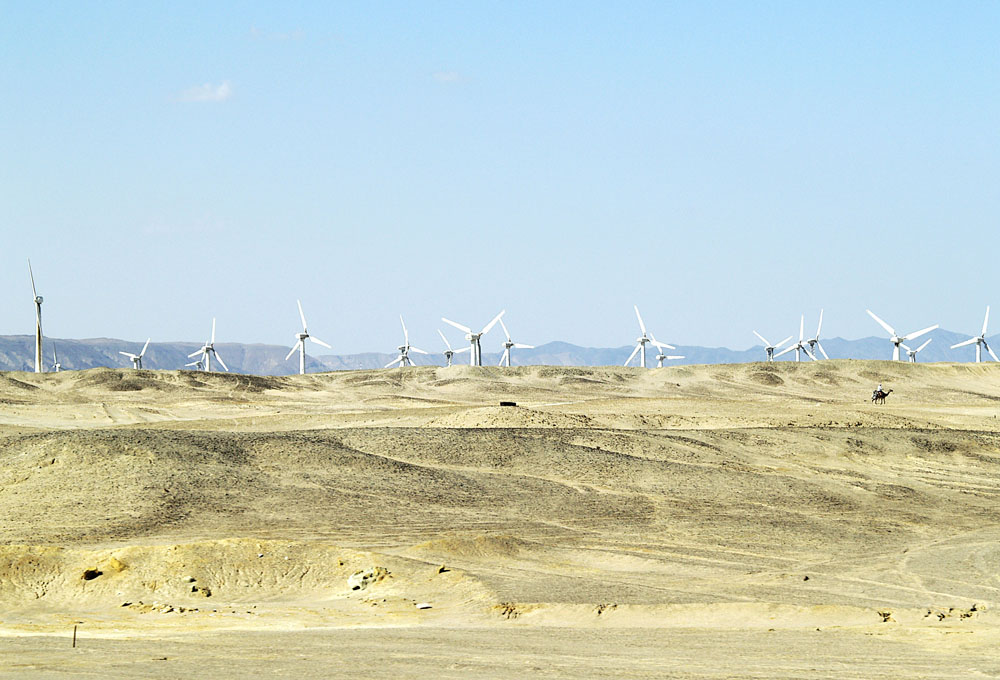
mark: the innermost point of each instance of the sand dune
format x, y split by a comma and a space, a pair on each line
689, 503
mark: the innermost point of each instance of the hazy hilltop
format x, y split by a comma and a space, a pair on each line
17, 353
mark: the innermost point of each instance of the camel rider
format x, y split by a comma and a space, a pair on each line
879, 387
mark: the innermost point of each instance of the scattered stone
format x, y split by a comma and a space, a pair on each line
442, 569
91, 574
116, 564
360, 580
423, 605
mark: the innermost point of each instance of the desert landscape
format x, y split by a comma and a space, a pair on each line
748, 520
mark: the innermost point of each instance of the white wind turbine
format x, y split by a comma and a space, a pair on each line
300, 341
814, 342
508, 345
895, 339
136, 358
404, 350
980, 341
640, 347
768, 347
660, 356
39, 368
449, 353
912, 353
56, 366
476, 357
206, 352
800, 346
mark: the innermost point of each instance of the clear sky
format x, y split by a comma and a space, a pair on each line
726, 166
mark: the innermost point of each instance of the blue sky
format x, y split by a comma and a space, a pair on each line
725, 166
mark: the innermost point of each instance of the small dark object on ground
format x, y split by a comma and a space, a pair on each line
508, 403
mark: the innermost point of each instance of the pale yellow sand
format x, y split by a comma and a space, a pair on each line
716, 521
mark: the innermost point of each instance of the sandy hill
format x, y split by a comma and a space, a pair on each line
705, 502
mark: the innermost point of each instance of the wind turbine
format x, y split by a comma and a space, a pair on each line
660, 357
476, 358
39, 368
449, 353
56, 366
897, 340
404, 350
300, 342
768, 347
800, 346
980, 341
912, 353
640, 347
814, 342
206, 352
508, 345
136, 358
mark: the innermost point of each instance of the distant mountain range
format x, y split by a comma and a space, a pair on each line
17, 354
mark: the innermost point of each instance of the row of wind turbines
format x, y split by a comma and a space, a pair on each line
807, 346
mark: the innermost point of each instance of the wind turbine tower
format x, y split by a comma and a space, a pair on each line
136, 358
768, 347
801, 345
404, 350
449, 353
640, 347
980, 341
508, 346
39, 368
300, 341
206, 352
912, 353
895, 338
476, 355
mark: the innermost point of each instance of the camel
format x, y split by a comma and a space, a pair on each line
878, 396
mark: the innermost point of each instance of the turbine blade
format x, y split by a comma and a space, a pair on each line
986, 320
505, 354
802, 327
418, 351
213, 331
459, 326
903, 345
762, 339
302, 315
467, 348
632, 355
642, 326
820, 326
783, 342
505, 331
192, 355
397, 360
144, 347
917, 334
221, 361
785, 351
518, 345
34, 293
926, 342
825, 356
990, 350
881, 323
126, 354
319, 342
809, 354
406, 335
964, 343
446, 343
292, 351
675, 356
491, 324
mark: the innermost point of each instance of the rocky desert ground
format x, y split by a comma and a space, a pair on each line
752, 520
